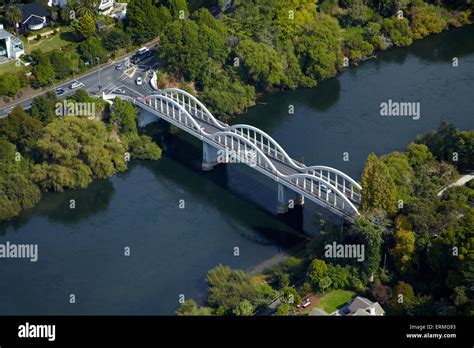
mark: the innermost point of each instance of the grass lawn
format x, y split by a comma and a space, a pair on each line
335, 299
11, 68
54, 42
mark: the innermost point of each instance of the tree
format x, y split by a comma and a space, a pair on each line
76, 150
144, 21
62, 64
14, 16
87, 8
189, 307
418, 154
9, 84
403, 296
378, 188
317, 47
262, 63
85, 26
228, 288
43, 107
143, 147
324, 283
381, 293
91, 49
178, 8
21, 129
244, 308
404, 249
402, 174
43, 70
283, 310
124, 116
116, 39
317, 270
290, 296
372, 236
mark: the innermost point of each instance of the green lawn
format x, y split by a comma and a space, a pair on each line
335, 299
54, 42
11, 67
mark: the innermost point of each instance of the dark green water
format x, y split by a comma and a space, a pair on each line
81, 251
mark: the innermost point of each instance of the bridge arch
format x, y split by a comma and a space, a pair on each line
160, 107
260, 155
198, 105
301, 181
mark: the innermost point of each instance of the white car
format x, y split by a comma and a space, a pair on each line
324, 188
119, 91
75, 85
139, 81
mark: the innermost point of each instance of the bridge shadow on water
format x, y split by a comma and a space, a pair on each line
235, 190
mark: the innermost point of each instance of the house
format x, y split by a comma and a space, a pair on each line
363, 306
102, 4
106, 4
10, 46
35, 16
60, 3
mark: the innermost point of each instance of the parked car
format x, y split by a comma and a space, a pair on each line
139, 81
119, 66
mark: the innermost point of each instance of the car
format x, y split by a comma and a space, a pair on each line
119, 66
59, 91
143, 50
139, 81
324, 188
119, 91
75, 85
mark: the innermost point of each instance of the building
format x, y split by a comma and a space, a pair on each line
35, 16
363, 306
103, 4
10, 46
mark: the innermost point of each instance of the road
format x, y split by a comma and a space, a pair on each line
460, 182
107, 76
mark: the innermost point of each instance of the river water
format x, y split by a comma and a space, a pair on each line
172, 246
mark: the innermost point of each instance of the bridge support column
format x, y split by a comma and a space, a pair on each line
209, 156
299, 199
283, 202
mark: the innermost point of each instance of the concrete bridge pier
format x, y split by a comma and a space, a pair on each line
209, 156
299, 199
283, 199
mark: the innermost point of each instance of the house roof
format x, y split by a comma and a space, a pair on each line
32, 9
4, 34
361, 306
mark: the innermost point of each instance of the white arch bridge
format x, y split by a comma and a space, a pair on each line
222, 143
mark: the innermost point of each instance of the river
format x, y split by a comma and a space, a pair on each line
172, 246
